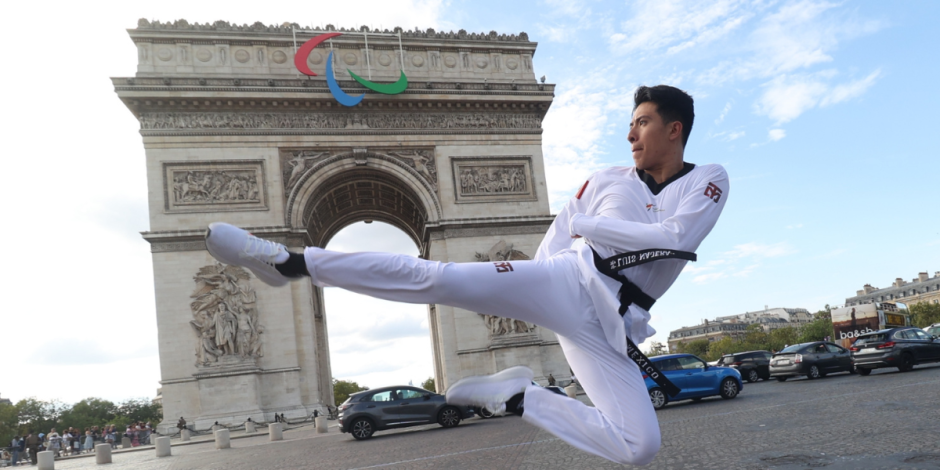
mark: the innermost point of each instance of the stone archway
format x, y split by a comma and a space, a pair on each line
232, 132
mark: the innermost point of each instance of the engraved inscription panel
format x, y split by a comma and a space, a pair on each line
237, 185
493, 179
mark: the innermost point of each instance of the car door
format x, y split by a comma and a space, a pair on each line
701, 380
414, 407
383, 407
843, 358
924, 345
824, 359
907, 341
671, 370
763, 363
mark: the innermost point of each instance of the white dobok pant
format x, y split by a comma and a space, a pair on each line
622, 427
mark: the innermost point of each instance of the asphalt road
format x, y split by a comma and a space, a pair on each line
888, 420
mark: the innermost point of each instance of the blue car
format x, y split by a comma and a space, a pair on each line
696, 378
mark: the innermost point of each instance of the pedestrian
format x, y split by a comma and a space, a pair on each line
55, 443
551, 380
32, 446
316, 414
181, 424
638, 227
16, 447
89, 441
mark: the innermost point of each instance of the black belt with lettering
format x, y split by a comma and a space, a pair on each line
630, 293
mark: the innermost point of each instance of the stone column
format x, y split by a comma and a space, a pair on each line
275, 431
249, 427
321, 425
125, 442
185, 435
222, 439
46, 460
102, 453
163, 446
572, 391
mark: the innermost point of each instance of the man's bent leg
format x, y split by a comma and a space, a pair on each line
622, 426
545, 292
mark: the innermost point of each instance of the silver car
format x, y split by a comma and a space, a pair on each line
396, 407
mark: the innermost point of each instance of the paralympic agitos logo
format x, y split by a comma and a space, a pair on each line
300, 61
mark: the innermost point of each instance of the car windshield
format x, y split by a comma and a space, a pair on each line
878, 338
935, 331
726, 360
791, 349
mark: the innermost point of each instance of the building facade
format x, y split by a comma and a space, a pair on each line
736, 325
923, 288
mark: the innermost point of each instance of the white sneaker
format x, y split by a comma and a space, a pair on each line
232, 245
490, 391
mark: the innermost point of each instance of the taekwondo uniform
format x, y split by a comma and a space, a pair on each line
618, 210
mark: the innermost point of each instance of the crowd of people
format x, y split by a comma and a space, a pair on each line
73, 441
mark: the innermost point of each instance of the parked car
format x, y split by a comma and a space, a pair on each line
753, 365
486, 413
814, 360
695, 377
933, 330
895, 347
397, 407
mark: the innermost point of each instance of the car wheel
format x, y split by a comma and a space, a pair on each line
485, 413
729, 389
362, 429
813, 373
658, 398
864, 371
907, 362
753, 376
449, 417
782, 379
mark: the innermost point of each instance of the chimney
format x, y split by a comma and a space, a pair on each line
922, 277
868, 289
860, 293
899, 282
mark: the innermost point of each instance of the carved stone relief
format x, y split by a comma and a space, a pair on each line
499, 326
214, 186
225, 317
210, 120
486, 180
296, 163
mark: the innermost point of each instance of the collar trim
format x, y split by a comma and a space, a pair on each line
657, 188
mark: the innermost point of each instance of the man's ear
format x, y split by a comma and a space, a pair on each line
675, 131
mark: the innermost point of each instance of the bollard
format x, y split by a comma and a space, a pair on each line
275, 431
321, 425
102, 453
249, 427
185, 434
571, 391
46, 460
162, 445
222, 439
216, 427
125, 442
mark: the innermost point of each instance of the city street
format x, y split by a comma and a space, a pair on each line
889, 420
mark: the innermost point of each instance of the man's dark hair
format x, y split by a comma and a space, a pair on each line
672, 104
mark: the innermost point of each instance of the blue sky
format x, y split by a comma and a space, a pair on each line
822, 113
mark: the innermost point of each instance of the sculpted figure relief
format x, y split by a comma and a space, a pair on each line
496, 179
500, 326
298, 165
210, 186
224, 315
422, 161
211, 120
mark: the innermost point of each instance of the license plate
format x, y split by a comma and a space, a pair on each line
782, 363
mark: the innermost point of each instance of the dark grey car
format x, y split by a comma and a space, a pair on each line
814, 360
396, 407
896, 347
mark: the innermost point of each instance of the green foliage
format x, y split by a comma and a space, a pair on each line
87, 413
32, 415
924, 314
783, 337
140, 410
818, 329
428, 384
9, 423
698, 347
342, 389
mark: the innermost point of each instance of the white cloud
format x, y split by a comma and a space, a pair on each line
724, 112
794, 226
776, 134
760, 250
847, 91
788, 96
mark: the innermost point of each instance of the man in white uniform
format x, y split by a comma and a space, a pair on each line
639, 226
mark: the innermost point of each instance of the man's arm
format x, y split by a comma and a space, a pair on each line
696, 216
559, 236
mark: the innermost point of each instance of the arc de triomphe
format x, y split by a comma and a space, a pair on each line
233, 132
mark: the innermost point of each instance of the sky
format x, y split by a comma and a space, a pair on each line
820, 112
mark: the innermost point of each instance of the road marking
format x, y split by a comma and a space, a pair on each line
830, 397
457, 453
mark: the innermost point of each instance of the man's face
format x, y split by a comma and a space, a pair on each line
651, 139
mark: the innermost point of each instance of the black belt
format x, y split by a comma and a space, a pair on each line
630, 293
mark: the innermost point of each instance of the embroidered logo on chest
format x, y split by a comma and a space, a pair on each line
653, 208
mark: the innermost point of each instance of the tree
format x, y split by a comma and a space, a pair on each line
342, 389
782, 337
924, 314
429, 385
698, 347
142, 410
38, 416
9, 423
818, 329
89, 412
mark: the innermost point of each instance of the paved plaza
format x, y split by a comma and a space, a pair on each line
889, 420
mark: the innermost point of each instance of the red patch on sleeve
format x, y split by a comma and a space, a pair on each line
581, 191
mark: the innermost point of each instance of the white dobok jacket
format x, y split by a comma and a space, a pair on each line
621, 209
